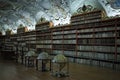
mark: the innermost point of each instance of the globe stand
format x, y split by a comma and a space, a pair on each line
43, 65
60, 69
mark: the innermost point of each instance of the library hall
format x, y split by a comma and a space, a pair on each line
59, 39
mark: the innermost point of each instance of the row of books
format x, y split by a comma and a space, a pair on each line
57, 52
85, 30
85, 41
95, 55
87, 48
64, 47
105, 34
43, 41
55, 33
58, 37
69, 41
22, 29
86, 22
57, 41
86, 16
29, 38
89, 14
44, 38
104, 48
28, 35
19, 39
44, 46
69, 32
104, 29
7, 44
80, 18
85, 36
42, 27
97, 48
105, 41
70, 36
69, 53
98, 35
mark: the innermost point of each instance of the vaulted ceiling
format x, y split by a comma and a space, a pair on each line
28, 12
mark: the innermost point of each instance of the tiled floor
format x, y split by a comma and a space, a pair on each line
14, 71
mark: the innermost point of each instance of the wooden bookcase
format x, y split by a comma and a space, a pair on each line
7, 51
15, 45
29, 39
84, 25
69, 42
22, 30
86, 18
88, 40
26, 41
97, 40
44, 36
57, 40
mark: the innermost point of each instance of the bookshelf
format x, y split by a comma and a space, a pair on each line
7, 51
96, 43
69, 41
22, 29
15, 46
43, 36
86, 18
89, 39
57, 40
44, 25
26, 41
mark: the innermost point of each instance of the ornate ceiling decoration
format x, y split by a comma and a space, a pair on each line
28, 12
109, 8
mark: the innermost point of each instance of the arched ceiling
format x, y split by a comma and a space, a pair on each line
28, 12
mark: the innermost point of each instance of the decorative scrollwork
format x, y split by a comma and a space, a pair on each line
85, 8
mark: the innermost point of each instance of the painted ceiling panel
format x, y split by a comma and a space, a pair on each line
28, 12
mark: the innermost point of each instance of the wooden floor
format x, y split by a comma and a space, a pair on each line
14, 71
